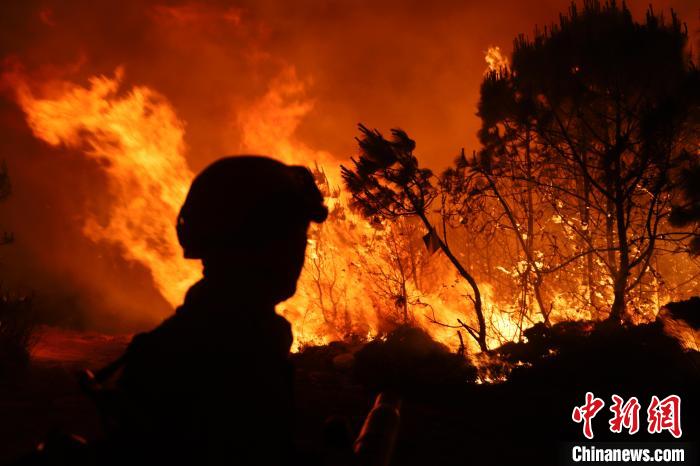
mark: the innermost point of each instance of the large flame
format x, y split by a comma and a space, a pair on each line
355, 278
138, 140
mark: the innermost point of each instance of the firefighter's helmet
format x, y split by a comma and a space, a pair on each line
243, 199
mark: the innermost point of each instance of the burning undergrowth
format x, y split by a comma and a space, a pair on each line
520, 391
408, 361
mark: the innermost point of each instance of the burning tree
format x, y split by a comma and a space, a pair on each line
395, 263
503, 212
593, 119
387, 182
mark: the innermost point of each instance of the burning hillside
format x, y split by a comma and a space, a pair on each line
361, 277
534, 254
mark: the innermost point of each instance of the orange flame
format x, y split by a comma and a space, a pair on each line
138, 140
495, 60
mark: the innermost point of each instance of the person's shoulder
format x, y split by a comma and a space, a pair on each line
171, 326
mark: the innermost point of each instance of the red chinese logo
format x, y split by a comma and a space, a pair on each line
587, 412
661, 415
625, 415
665, 415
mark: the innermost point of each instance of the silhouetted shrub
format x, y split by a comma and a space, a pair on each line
408, 361
688, 311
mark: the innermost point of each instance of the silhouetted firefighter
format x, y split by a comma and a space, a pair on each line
213, 384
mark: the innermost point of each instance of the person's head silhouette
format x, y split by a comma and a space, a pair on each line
246, 218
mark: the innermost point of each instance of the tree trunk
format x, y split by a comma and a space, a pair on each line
584, 186
530, 243
480, 336
617, 312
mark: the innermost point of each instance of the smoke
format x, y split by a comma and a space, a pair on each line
390, 63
